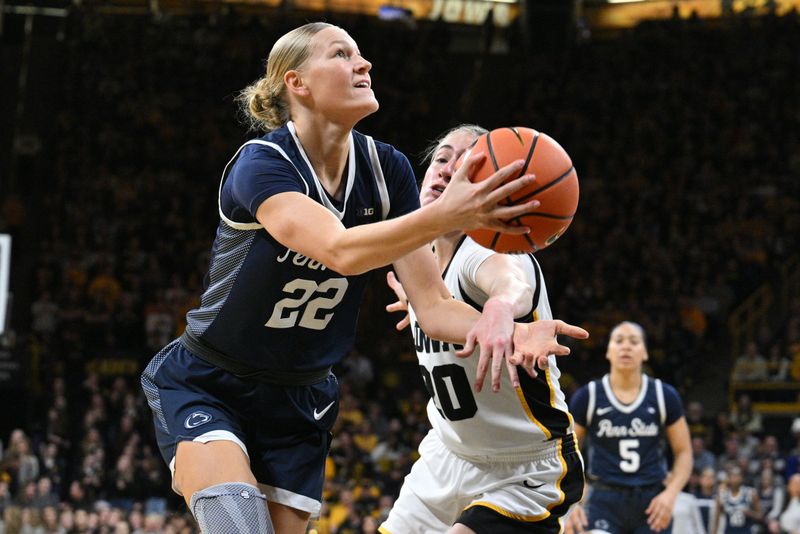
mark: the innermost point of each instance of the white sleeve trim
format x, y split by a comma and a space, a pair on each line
253, 225
662, 407
592, 401
380, 180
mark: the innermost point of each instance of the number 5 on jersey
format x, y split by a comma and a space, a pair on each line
300, 305
630, 456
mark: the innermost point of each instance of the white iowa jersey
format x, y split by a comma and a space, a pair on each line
511, 421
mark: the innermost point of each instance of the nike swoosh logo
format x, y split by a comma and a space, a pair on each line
532, 486
603, 411
320, 415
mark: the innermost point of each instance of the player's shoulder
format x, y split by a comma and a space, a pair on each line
582, 393
469, 245
387, 153
668, 389
272, 147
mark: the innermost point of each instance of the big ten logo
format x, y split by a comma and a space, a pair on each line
301, 261
472, 11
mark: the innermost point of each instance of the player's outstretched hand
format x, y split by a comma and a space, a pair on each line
535, 342
467, 206
575, 521
659, 512
401, 305
494, 333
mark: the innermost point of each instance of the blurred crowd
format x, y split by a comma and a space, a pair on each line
686, 139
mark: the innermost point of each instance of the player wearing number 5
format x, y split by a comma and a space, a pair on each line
244, 401
497, 461
625, 416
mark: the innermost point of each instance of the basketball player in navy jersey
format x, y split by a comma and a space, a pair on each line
738, 509
503, 461
244, 401
626, 416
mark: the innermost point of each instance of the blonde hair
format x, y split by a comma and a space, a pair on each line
473, 129
263, 103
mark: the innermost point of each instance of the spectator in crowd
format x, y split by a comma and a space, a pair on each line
750, 366
789, 519
744, 418
777, 364
701, 457
706, 495
771, 496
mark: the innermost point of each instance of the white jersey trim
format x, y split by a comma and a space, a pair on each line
592, 402
291, 499
380, 180
662, 407
377, 171
253, 225
351, 173
211, 435
625, 408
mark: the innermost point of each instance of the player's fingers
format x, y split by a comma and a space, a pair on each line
507, 172
469, 346
397, 287
514, 184
557, 349
573, 524
510, 213
480, 372
497, 366
499, 225
530, 366
513, 376
570, 330
404, 323
543, 362
396, 306
470, 166
583, 522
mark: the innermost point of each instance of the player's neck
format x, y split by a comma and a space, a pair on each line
327, 145
625, 383
444, 247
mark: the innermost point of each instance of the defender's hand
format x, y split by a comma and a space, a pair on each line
535, 342
402, 300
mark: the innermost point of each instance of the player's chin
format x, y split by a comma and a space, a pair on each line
364, 109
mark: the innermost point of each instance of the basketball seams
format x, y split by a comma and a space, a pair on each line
491, 151
509, 144
547, 186
529, 158
494, 240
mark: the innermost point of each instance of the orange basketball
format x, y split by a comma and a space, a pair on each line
556, 187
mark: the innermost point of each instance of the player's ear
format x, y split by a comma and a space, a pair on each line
295, 83
646, 356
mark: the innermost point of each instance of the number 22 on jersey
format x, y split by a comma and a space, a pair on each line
300, 309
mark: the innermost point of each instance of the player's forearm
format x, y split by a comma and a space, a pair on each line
447, 320
362, 248
510, 290
503, 279
681, 471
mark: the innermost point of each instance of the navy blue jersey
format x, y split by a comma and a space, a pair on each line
626, 440
706, 506
733, 509
266, 306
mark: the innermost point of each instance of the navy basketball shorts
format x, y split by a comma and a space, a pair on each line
621, 511
283, 430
